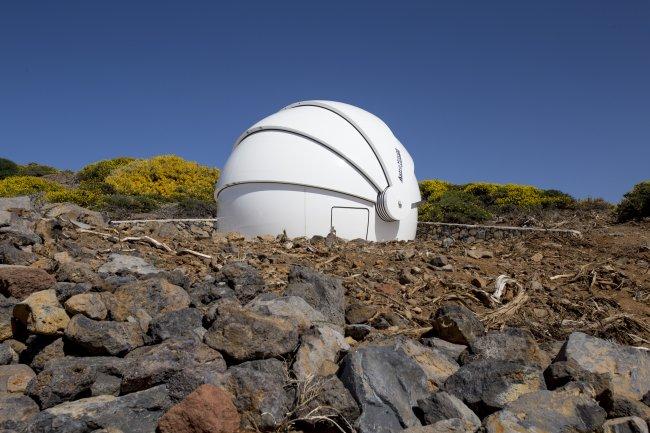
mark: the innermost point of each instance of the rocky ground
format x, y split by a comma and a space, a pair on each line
176, 328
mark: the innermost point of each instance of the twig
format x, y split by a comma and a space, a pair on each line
149, 240
194, 253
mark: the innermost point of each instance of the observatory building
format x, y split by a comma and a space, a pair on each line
315, 166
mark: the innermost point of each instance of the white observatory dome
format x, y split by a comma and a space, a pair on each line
318, 165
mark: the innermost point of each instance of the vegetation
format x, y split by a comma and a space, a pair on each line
38, 170
8, 168
635, 204
14, 186
167, 177
477, 202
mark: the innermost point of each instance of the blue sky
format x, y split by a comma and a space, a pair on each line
553, 93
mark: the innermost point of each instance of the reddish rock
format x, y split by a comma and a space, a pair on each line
208, 409
21, 281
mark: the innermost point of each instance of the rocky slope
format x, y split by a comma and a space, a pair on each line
175, 328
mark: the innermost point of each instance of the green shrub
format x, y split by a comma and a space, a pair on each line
8, 168
166, 177
14, 186
82, 197
455, 206
197, 208
635, 204
97, 172
37, 170
130, 203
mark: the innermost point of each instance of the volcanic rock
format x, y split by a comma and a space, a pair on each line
21, 281
103, 337
324, 293
456, 324
41, 313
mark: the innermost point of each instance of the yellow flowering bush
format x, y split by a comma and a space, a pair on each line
82, 197
433, 189
168, 177
14, 186
99, 171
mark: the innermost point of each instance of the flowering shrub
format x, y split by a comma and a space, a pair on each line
99, 171
433, 188
26, 185
167, 177
82, 197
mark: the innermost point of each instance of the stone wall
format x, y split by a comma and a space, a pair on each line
471, 233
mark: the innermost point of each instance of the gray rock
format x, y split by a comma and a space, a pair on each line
76, 213
103, 337
292, 308
15, 377
630, 424
65, 290
90, 305
456, 324
244, 335
16, 412
259, 390
47, 353
621, 407
205, 293
152, 365
326, 294
453, 425
176, 324
387, 384
133, 413
628, 368
70, 378
549, 412
244, 280
121, 263
10, 255
154, 296
319, 352
561, 373
7, 354
76, 272
6, 313
434, 363
441, 406
185, 381
16, 203
358, 332
486, 386
330, 400
511, 344
452, 350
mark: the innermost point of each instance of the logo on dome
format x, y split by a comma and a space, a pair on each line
399, 165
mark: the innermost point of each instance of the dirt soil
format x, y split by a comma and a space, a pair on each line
599, 283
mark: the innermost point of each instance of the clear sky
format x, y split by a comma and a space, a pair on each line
554, 93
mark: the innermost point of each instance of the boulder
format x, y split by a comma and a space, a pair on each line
155, 296
133, 413
7, 354
124, 264
10, 255
292, 308
244, 280
6, 313
387, 384
16, 412
70, 378
358, 313
47, 353
76, 272
319, 352
260, 395
152, 365
245, 335
326, 294
41, 313
75, 213
621, 407
205, 293
441, 406
549, 412
561, 373
90, 305
358, 332
183, 382
324, 400
456, 324
21, 281
453, 425
66, 290
436, 365
630, 424
14, 378
453, 351
628, 368
207, 410
486, 386
184, 323
102, 337
511, 344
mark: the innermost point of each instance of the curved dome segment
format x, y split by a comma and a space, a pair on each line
330, 130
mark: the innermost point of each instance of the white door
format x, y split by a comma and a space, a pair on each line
350, 222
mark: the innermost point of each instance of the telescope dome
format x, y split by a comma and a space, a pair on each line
315, 166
